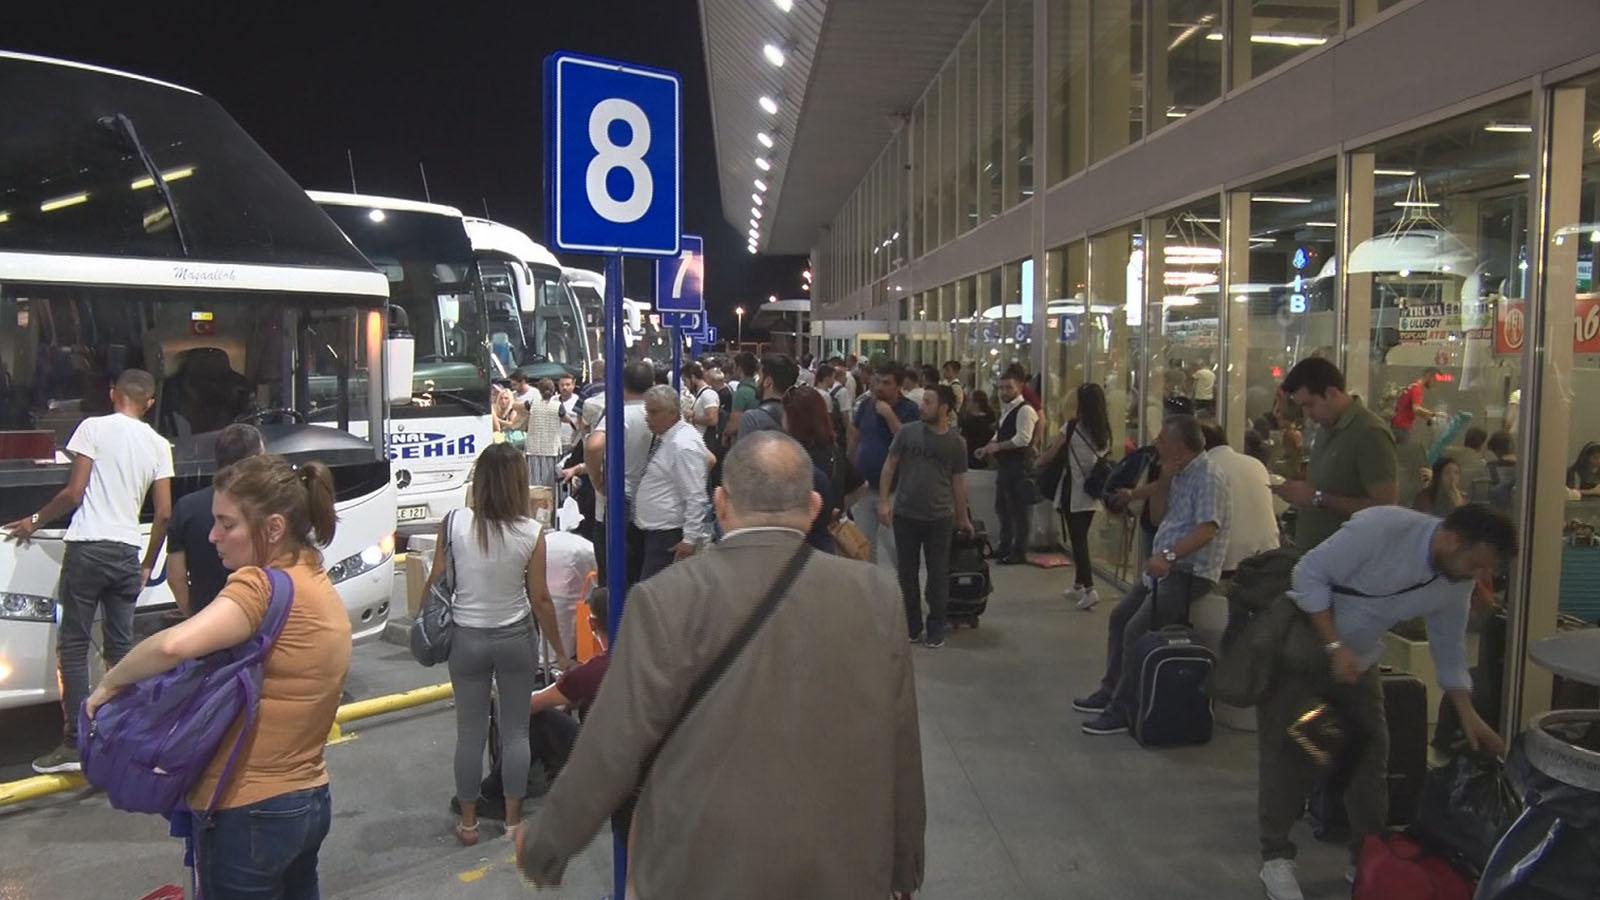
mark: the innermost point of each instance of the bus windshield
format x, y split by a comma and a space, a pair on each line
433, 296
218, 357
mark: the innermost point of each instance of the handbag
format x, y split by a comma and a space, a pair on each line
435, 622
850, 540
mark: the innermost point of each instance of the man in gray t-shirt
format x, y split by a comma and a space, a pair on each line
923, 494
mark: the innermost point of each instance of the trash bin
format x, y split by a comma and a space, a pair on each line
1552, 851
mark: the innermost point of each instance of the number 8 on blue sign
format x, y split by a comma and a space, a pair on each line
614, 156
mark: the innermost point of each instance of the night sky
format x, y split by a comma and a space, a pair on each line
453, 85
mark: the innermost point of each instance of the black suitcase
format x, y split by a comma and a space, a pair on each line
1174, 700
970, 585
1405, 708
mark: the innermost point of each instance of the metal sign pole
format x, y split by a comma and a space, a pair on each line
616, 536
677, 359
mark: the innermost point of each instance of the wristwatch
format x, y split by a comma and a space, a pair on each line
1168, 555
33, 519
1316, 499
1332, 646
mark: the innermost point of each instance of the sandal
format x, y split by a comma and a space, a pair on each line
467, 834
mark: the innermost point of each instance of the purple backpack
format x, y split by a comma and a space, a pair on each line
149, 745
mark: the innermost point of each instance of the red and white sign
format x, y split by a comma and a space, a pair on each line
1510, 332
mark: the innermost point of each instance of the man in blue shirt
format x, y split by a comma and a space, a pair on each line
1185, 562
1384, 566
877, 420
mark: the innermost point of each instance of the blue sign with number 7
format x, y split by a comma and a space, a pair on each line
680, 281
614, 159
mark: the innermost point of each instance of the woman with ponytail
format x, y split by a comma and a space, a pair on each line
274, 812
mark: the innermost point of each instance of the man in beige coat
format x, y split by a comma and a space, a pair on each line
799, 773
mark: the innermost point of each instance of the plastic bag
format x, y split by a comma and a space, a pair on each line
1466, 807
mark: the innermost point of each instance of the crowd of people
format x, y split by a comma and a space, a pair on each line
740, 487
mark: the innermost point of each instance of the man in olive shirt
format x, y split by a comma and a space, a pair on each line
923, 493
1352, 455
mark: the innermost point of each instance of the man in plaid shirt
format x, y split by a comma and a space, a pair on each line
1185, 562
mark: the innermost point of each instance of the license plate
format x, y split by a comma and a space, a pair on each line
412, 513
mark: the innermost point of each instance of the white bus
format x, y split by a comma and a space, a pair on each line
438, 417
470, 301
535, 324
642, 332
140, 227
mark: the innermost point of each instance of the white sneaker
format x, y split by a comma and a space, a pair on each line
1087, 599
1073, 594
1279, 877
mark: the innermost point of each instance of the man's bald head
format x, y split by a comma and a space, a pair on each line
766, 481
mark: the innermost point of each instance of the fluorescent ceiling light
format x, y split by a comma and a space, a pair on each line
1415, 204
752, 249
1278, 198
171, 175
1175, 114
1187, 255
377, 215
1522, 176
764, 139
755, 234
1207, 221
762, 164
755, 212
774, 54
63, 202
1188, 279
784, 5
1322, 224
757, 199
769, 105
1282, 40
760, 185
4, 217
1398, 173
1508, 128
893, 237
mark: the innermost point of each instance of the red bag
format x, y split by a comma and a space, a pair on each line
1395, 867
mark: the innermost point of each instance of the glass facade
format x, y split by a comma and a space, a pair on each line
1456, 251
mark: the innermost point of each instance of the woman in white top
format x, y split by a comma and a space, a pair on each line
500, 589
1085, 439
544, 436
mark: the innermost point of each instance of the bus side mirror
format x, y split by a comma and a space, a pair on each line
400, 361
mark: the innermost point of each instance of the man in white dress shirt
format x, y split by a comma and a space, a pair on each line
669, 508
1254, 526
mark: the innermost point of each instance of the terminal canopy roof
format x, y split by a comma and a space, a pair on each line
852, 71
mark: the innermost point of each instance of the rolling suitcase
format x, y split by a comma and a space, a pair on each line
1174, 700
970, 584
1405, 709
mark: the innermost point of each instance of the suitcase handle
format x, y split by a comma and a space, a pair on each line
1155, 607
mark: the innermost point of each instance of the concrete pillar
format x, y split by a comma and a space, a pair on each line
1154, 364
1240, 23
1235, 314
1110, 76
1544, 450
1355, 322
1158, 88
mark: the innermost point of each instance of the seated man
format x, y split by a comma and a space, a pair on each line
569, 561
554, 714
1185, 563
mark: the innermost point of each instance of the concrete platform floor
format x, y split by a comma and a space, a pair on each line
1021, 803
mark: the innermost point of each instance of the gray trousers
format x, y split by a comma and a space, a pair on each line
507, 656
96, 576
1285, 775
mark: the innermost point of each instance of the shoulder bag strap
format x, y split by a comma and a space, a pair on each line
708, 679
278, 606
1352, 592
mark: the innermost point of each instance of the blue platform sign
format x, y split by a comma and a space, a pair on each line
681, 280
712, 335
614, 156
1069, 329
690, 322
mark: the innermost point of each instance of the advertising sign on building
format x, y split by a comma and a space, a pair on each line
1511, 326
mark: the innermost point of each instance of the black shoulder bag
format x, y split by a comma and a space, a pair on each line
708, 679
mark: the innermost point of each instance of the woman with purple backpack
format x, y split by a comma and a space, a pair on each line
269, 819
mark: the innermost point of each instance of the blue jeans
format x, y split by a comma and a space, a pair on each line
267, 850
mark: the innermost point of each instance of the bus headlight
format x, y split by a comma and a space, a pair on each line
27, 607
365, 561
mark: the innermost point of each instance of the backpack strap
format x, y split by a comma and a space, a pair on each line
278, 607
